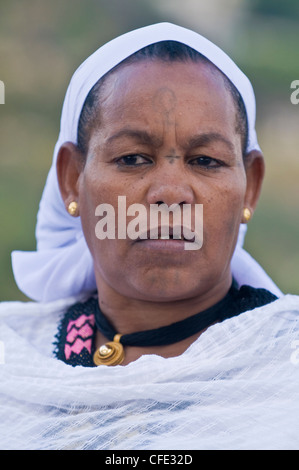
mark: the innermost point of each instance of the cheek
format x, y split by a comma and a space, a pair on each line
92, 193
222, 214
98, 186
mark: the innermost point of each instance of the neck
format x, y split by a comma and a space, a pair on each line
129, 315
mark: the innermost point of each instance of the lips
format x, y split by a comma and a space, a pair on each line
176, 233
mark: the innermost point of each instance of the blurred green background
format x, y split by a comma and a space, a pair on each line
41, 45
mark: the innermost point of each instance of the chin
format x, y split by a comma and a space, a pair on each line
157, 287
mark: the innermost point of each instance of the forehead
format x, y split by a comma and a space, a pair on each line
147, 92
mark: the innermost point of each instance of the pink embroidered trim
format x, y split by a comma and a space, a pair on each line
79, 335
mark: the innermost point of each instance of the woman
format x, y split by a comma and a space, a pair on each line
180, 348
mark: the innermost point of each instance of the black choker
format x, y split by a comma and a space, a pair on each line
112, 353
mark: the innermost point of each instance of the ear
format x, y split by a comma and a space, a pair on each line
69, 167
255, 171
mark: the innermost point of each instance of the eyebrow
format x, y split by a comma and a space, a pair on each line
205, 139
144, 137
139, 135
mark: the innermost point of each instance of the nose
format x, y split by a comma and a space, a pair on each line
170, 184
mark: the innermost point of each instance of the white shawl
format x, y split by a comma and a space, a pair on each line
236, 387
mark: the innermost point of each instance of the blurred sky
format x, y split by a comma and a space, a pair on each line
42, 43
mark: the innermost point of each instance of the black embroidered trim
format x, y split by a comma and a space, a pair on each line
73, 313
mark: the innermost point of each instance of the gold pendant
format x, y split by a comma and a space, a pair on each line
110, 354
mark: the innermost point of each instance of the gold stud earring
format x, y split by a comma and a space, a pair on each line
73, 208
246, 214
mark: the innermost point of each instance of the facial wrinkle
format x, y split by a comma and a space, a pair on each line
164, 102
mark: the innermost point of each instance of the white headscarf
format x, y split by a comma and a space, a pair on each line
62, 265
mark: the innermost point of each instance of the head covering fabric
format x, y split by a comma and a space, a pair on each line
62, 265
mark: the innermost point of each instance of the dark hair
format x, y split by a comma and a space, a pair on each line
168, 51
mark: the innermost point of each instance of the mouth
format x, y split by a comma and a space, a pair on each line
168, 239
177, 233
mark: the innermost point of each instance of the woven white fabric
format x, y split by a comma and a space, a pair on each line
236, 387
62, 265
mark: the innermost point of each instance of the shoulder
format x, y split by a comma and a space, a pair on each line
253, 297
250, 298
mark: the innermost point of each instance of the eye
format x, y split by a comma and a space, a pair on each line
132, 160
206, 162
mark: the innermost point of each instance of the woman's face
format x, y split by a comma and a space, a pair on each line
166, 134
